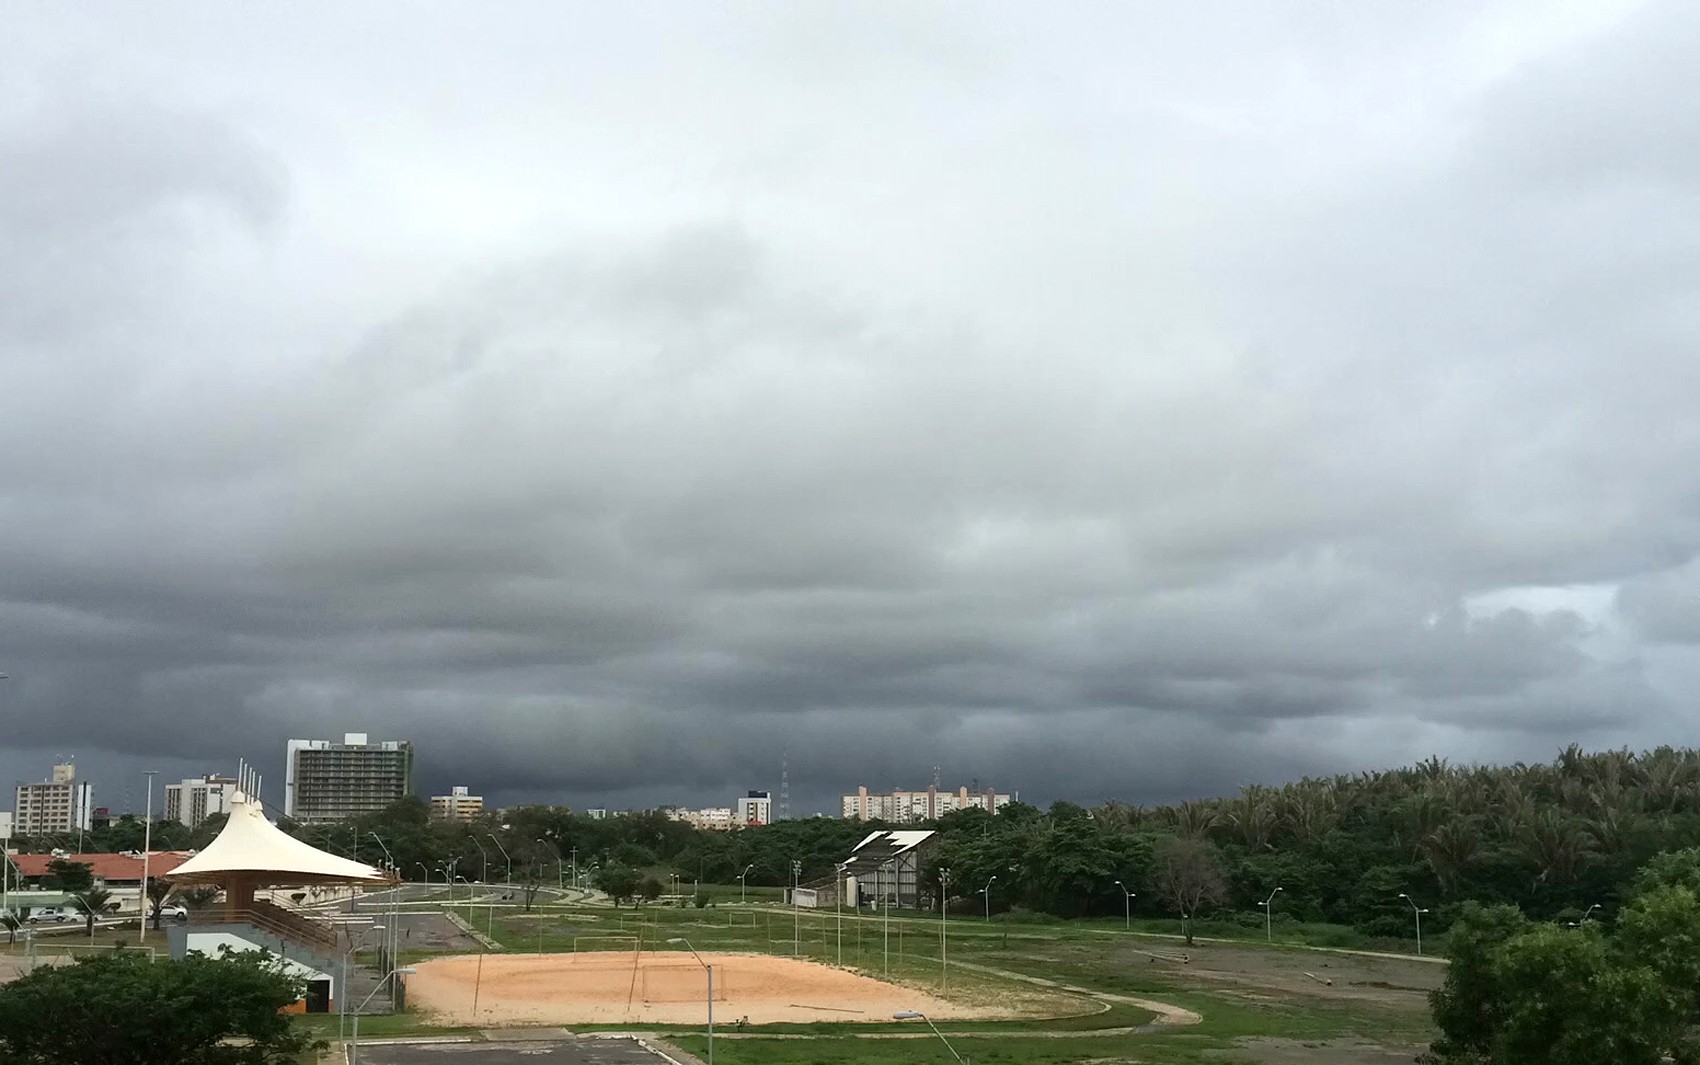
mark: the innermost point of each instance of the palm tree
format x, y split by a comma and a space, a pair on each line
158, 892
91, 904
199, 898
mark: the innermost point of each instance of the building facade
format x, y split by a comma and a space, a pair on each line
329, 781
904, 807
58, 804
457, 805
717, 818
193, 801
755, 808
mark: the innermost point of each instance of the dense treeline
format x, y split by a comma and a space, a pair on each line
1552, 839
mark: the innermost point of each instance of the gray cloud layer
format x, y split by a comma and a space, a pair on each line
1116, 402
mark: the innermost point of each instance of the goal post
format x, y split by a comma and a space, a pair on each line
592, 944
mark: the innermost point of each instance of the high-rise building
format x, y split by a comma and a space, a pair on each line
755, 808
456, 806
328, 781
195, 800
902, 807
59, 804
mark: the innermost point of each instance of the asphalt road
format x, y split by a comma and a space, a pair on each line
573, 1052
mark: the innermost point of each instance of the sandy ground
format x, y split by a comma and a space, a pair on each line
667, 987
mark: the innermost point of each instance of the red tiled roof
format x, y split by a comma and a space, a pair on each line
107, 867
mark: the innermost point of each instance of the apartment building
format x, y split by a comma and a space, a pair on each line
195, 800
329, 781
59, 804
904, 807
457, 805
755, 808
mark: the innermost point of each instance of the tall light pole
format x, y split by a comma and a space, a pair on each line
1418, 912
885, 904
842, 866
354, 1040
483, 861
147, 845
944, 930
505, 858
1127, 905
710, 968
1588, 914
575, 868
987, 891
796, 914
390, 934
1269, 916
741, 877
910, 1015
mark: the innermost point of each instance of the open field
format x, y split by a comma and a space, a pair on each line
670, 987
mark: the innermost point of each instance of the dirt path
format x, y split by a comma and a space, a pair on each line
1167, 1015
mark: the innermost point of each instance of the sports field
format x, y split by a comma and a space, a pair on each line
670, 987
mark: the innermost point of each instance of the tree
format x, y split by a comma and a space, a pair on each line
91, 904
10, 922
618, 882
158, 892
1189, 875
650, 889
1467, 1007
68, 876
118, 1008
199, 898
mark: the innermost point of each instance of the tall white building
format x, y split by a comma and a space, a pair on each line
457, 805
903, 807
60, 804
328, 781
193, 801
755, 808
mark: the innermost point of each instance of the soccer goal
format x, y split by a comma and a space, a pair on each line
607, 943
679, 983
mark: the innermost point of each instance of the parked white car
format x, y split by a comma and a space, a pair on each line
54, 914
171, 911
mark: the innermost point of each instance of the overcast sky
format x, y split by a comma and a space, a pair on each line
1131, 400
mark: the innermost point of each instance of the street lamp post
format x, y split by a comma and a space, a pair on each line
505, 858
390, 934
885, 904
1269, 916
987, 891
575, 868
1588, 914
796, 914
354, 1038
944, 930
1418, 912
1127, 905
710, 969
483, 860
147, 845
741, 885
911, 1015
840, 900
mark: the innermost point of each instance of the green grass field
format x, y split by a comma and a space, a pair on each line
1257, 1002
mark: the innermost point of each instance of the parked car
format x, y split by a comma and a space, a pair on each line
55, 914
171, 911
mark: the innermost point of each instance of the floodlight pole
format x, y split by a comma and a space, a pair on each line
885, 904
796, 913
710, 968
741, 884
987, 891
1418, 912
147, 845
1269, 916
944, 931
483, 861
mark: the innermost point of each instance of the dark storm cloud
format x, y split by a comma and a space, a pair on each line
1091, 428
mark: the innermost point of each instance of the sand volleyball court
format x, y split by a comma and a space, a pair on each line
665, 987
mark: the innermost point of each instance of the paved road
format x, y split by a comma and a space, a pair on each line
572, 1052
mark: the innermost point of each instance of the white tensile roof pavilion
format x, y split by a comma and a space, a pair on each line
251, 853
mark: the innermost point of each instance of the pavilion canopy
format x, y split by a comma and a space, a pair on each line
253, 849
